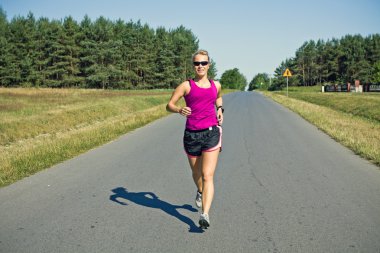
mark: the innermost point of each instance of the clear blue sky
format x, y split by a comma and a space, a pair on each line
253, 36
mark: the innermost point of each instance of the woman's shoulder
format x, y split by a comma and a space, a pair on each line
185, 84
217, 83
184, 87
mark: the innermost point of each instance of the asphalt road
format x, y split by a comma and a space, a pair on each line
281, 186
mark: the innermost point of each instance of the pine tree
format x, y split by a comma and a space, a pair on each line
164, 65
70, 55
185, 44
6, 58
55, 55
22, 44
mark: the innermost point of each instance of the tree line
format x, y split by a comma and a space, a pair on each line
335, 61
94, 54
233, 79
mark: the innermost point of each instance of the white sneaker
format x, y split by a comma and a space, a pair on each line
198, 200
204, 221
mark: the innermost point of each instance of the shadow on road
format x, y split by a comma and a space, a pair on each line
149, 199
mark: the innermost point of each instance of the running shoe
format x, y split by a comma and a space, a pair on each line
204, 221
198, 200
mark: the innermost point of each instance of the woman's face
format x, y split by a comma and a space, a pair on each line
200, 60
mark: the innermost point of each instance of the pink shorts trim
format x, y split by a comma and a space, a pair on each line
219, 145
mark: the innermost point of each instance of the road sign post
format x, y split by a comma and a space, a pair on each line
287, 86
287, 74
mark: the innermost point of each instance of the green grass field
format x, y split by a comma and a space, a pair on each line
42, 127
366, 105
352, 119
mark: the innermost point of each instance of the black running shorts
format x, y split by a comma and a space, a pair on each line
197, 141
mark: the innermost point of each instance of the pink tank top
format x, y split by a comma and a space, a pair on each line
202, 104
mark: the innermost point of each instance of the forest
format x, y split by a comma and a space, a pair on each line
110, 54
93, 54
335, 61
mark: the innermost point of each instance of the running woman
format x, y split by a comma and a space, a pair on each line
203, 134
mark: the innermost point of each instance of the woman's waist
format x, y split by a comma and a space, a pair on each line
210, 128
201, 124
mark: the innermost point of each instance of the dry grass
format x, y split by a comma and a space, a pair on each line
41, 127
357, 132
365, 105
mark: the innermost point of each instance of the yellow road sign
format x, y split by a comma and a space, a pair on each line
287, 73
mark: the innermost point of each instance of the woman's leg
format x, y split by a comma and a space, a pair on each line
209, 162
196, 168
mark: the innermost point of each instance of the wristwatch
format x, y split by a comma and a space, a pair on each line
217, 108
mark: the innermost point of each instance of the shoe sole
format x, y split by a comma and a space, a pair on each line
204, 224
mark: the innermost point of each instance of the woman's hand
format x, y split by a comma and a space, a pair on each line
185, 111
220, 117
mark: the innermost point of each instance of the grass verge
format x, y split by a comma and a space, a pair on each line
42, 127
365, 105
355, 131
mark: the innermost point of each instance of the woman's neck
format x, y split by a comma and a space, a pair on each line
201, 79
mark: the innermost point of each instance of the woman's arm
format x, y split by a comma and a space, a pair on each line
219, 103
178, 93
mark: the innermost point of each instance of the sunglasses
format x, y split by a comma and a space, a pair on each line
203, 63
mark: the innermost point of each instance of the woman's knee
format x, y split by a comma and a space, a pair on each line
208, 177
